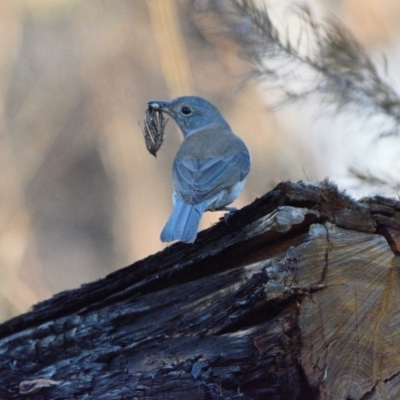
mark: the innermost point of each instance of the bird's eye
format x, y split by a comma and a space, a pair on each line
186, 110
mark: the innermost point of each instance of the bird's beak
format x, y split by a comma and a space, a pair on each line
158, 105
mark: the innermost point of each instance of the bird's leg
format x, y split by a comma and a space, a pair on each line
231, 211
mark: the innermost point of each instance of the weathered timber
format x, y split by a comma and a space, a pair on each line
295, 297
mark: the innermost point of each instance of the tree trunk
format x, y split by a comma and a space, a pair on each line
295, 297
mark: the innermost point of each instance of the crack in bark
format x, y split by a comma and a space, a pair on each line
371, 392
328, 249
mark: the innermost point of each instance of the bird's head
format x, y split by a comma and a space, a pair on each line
191, 113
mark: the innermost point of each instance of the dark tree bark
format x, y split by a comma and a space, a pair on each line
296, 297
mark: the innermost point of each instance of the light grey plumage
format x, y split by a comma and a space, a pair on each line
209, 169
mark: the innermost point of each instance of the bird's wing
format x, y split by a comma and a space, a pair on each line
197, 181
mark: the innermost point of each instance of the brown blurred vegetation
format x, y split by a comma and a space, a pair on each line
80, 194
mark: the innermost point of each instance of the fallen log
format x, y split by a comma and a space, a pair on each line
294, 297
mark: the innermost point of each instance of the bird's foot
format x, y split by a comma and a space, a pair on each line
231, 211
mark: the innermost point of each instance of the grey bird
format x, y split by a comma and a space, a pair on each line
210, 168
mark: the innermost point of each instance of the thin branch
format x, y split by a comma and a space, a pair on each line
341, 71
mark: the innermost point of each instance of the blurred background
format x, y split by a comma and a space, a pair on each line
80, 195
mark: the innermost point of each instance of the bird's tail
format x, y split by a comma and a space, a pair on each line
183, 222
